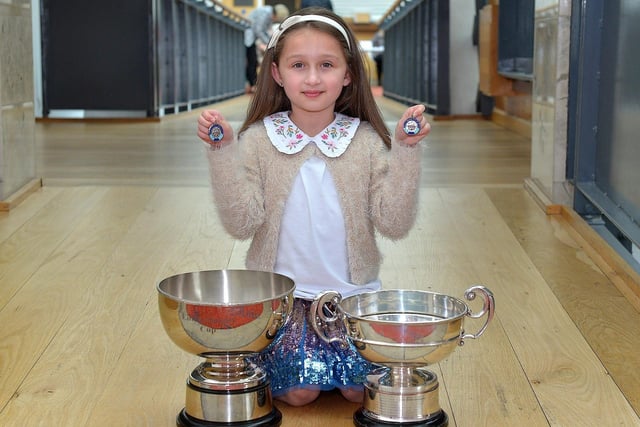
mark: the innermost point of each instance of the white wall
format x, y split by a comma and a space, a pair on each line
37, 58
463, 63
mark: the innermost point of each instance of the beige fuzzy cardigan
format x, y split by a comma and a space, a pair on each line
377, 187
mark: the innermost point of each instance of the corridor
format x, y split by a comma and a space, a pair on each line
125, 204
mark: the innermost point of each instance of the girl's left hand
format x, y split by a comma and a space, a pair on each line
416, 112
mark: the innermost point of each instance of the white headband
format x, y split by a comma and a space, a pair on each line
293, 20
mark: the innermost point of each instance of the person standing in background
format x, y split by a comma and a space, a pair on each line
378, 53
257, 37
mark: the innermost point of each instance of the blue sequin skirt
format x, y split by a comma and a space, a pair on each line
299, 358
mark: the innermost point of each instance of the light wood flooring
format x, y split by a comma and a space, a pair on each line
126, 204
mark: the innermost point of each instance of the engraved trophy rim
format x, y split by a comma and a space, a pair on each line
173, 287
359, 306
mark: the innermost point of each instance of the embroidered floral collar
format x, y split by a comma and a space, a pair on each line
332, 141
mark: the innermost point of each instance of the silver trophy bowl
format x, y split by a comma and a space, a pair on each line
402, 331
226, 316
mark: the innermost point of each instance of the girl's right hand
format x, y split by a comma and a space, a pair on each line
206, 119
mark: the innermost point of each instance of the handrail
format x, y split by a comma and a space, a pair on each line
219, 9
397, 10
416, 54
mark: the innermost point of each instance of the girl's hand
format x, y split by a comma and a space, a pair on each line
206, 119
417, 112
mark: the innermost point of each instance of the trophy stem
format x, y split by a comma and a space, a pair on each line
401, 395
226, 371
228, 389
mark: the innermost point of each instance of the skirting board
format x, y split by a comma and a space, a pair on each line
520, 126
623, 276
541, 198
13, 200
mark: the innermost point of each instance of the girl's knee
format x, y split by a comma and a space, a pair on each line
355, 394
299, 397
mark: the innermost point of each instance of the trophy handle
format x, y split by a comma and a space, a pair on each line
324, 315
280, 317
488, 308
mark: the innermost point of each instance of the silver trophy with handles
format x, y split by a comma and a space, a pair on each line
402, 332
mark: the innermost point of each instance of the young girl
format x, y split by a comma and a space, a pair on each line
311, 177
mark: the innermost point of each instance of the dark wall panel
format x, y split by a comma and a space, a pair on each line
618, 151
603, 123
97, 55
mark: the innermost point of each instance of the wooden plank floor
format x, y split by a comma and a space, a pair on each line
127, 204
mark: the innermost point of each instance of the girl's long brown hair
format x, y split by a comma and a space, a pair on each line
356, 99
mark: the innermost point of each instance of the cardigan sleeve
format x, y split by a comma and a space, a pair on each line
394, 189
236, 185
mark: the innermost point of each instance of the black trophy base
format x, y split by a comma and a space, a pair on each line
273, 419
360, 419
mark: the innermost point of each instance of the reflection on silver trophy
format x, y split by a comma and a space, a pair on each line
401, 331
225, 316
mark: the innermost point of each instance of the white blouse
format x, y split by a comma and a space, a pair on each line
312, 248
